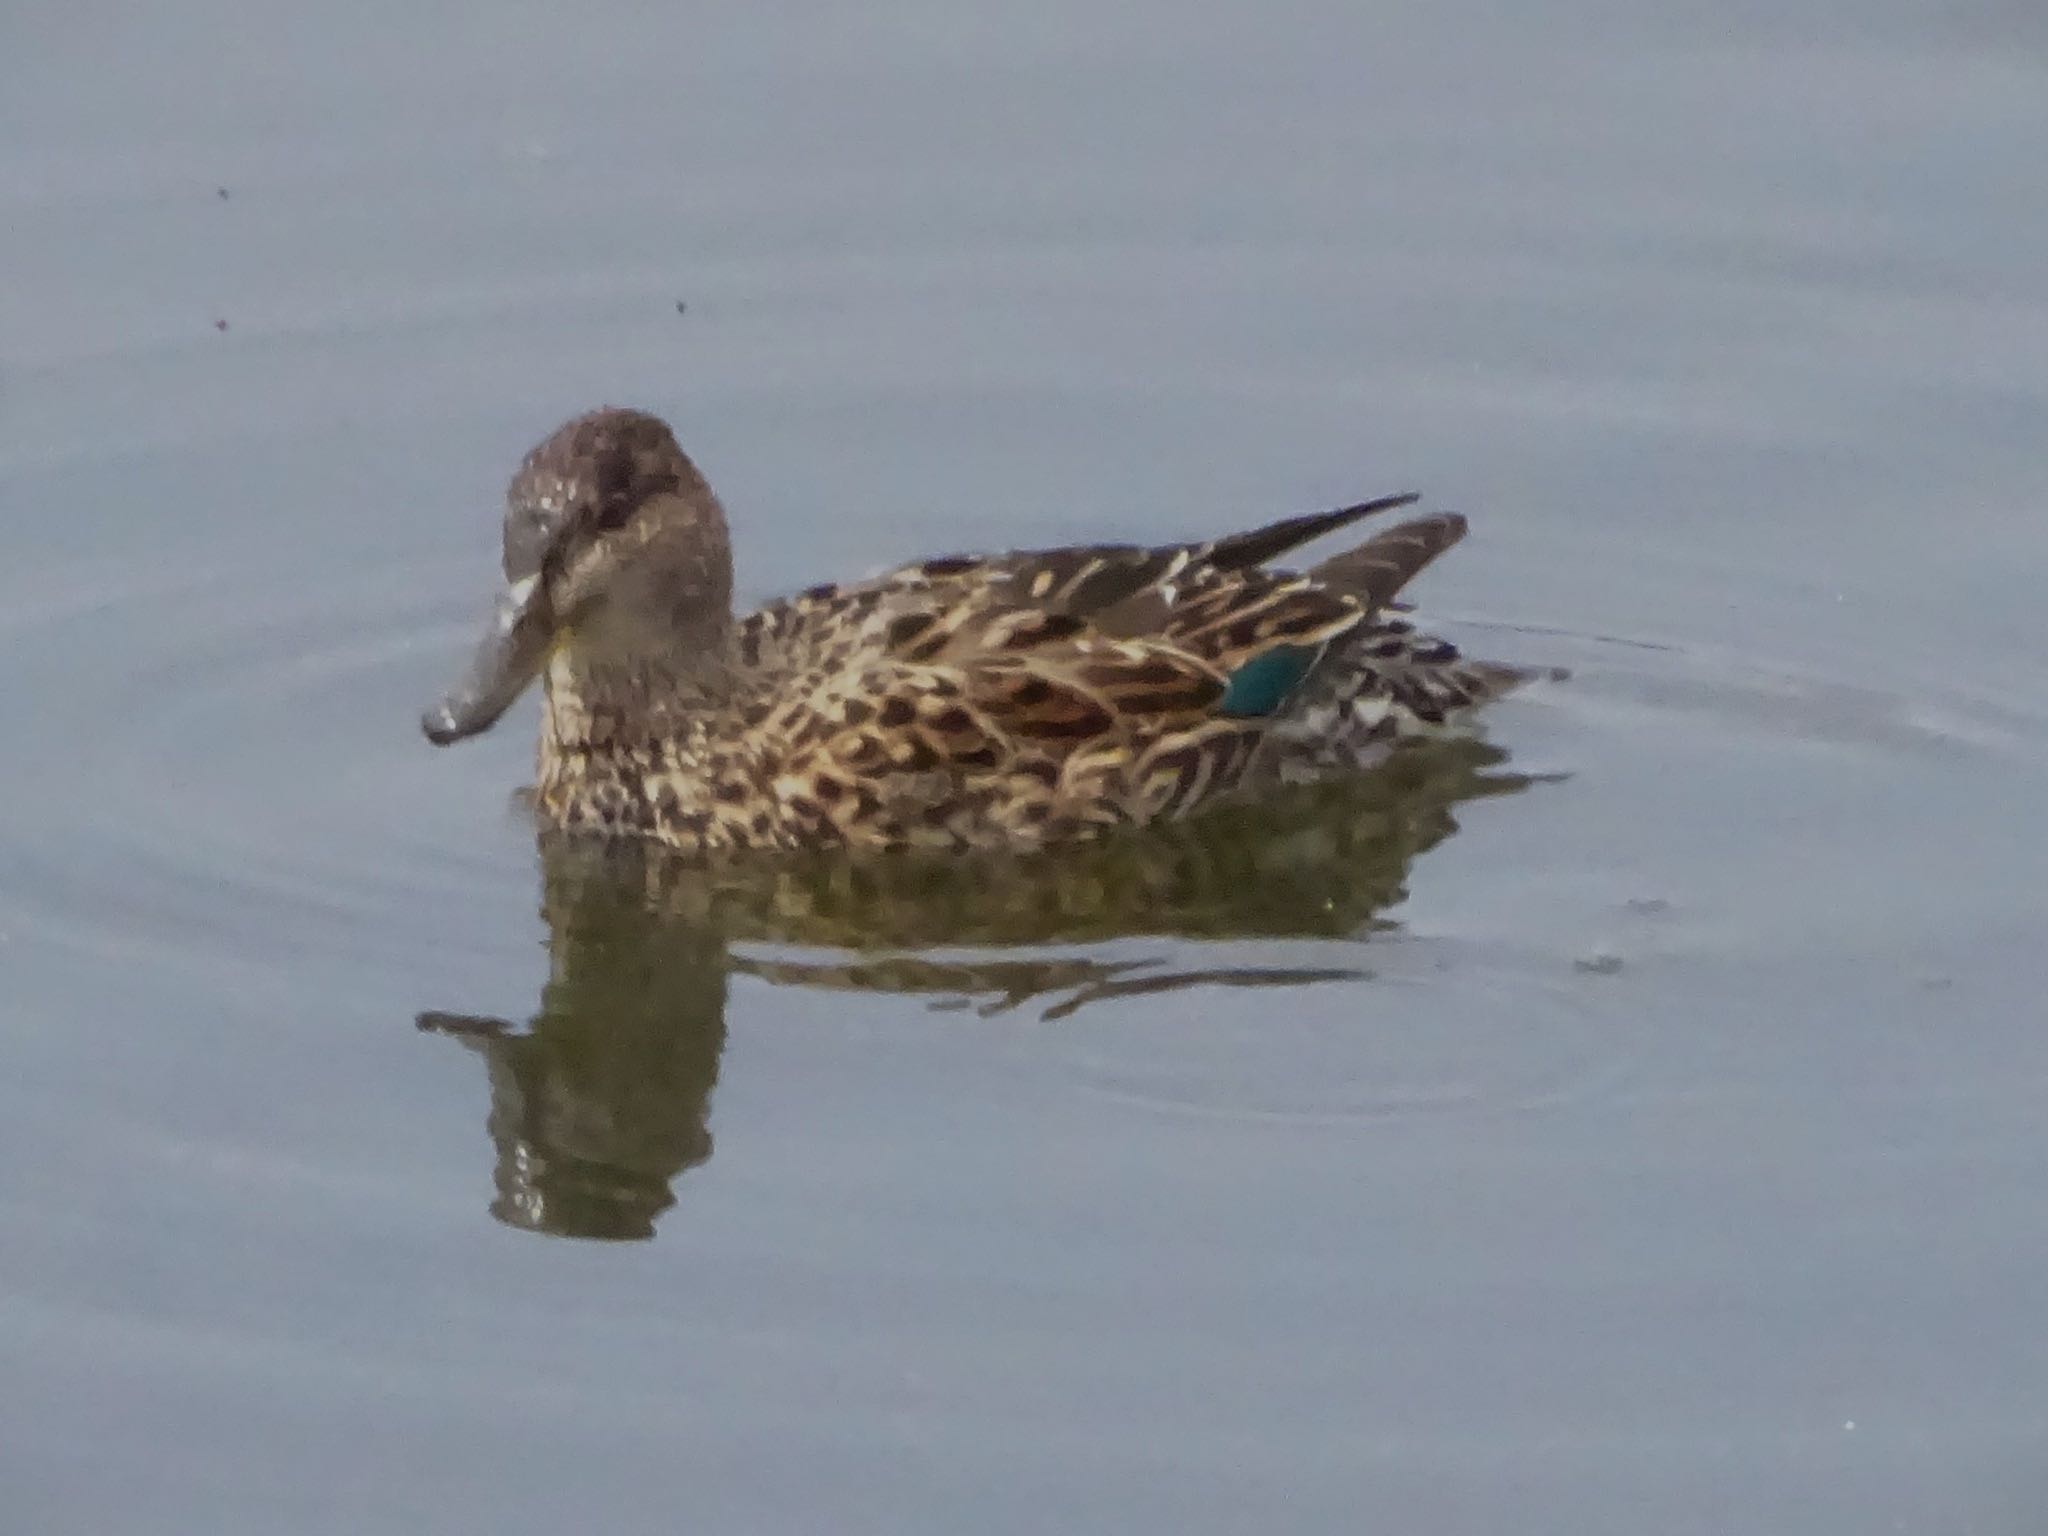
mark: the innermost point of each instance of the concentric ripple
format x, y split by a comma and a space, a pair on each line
1443, 1029
250, 788
226, 766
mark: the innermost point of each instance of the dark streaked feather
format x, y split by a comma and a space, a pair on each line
1256, 546
1387, 562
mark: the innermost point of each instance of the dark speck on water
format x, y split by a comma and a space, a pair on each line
1291, 1160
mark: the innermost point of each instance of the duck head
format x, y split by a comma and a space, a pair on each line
616, 556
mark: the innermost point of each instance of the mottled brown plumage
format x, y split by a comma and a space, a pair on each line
966, 701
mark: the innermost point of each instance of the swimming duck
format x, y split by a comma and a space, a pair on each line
1009, 700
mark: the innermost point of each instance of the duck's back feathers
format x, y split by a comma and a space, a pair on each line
1042, 691
1213, 597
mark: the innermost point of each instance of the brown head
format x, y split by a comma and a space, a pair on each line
616, 555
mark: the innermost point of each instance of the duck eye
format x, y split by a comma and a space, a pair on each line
614, 489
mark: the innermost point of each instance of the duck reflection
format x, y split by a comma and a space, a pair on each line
603, 1100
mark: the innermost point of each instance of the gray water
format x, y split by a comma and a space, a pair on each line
1632, 1126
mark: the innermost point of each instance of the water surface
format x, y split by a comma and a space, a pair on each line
1632, 1124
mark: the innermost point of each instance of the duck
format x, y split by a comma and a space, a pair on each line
968, 701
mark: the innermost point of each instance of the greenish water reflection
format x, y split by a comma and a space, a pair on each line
604, 1099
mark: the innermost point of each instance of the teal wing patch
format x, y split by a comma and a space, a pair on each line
1262, 684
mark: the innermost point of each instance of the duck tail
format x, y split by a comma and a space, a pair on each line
1380, 567
1242, 551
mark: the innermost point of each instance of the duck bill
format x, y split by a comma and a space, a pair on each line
514, 645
